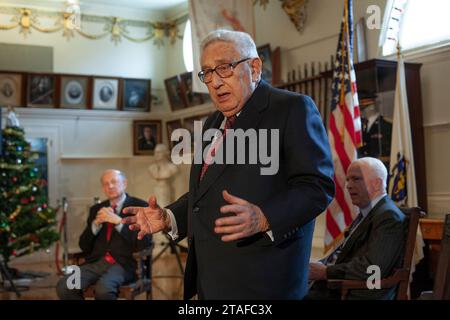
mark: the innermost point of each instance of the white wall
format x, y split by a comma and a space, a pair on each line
436, 119
319, 38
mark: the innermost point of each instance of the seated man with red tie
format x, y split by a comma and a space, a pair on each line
107, 243
376, 236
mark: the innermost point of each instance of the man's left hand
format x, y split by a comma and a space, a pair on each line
247, 221
317, 271
107, 214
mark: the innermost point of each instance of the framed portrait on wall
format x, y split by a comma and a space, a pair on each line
175, 93
146, 135
188, 123
11, 89
265, 54
136, 94
105, 93
74, 92
171, 126
41, 90
192, 98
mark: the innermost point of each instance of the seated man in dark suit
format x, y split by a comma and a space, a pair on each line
376, 236
107, 243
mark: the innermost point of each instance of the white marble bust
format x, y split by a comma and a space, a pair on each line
162, 170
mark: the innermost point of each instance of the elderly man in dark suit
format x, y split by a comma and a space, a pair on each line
375, 238
107, 243
249, 231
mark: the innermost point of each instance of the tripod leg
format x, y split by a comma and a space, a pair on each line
180, 265
5, 273
160, 253
177, 255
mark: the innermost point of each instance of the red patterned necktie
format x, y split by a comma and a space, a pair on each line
216, 144
110, 226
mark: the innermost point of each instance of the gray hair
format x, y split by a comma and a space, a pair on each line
377, 169
242, 41
118, 172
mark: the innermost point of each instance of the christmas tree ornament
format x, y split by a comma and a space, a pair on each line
15, 213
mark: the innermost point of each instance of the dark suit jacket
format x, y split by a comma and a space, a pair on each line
256, 267
377, 139
121, 245
378, 240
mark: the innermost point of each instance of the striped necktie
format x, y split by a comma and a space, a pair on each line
331, 259
216, 144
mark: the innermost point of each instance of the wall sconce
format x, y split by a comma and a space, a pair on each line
72, 15
296, 10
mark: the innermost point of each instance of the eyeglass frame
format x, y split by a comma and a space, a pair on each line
201, 75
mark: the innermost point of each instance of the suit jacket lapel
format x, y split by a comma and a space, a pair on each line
125, 204
215, 121
249, 118
362, 228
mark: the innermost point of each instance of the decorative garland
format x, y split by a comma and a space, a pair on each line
27, 19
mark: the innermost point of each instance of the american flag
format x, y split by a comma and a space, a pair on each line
344, 130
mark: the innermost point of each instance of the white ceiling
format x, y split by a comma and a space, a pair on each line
138, 4
157, 5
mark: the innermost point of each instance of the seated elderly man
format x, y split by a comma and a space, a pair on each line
376, 236
107, 243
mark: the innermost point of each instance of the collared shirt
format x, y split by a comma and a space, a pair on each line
365, 212
119, 204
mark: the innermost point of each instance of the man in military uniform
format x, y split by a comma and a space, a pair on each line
376, 134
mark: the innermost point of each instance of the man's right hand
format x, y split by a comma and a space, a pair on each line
151, 219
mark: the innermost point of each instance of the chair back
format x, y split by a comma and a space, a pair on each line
441, 289
412, 218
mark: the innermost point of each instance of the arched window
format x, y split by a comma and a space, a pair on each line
417, 24
187, 47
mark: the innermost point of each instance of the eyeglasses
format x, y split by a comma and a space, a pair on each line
224, 70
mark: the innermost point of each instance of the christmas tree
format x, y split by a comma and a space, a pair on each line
26, 220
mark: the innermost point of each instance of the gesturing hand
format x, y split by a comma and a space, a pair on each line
248, 219
147, 220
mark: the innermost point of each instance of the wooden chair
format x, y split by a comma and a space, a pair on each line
400, 277
143, 283
441, 288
